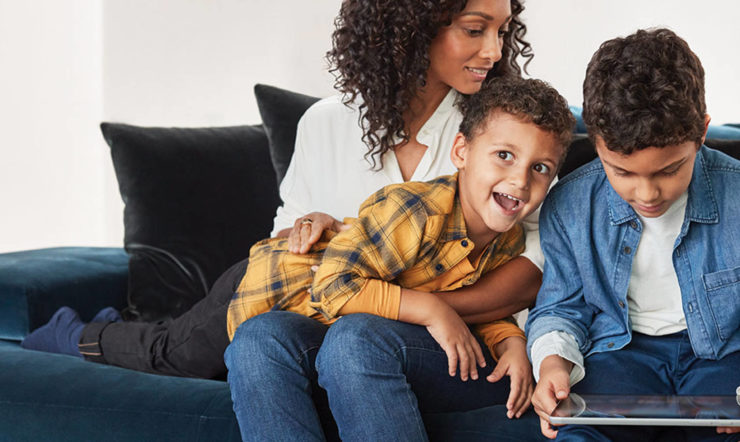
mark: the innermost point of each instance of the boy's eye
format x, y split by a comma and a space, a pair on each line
474, 32
670, 172
542, 168
504, 155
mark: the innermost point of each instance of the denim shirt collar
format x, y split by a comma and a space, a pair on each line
701, 206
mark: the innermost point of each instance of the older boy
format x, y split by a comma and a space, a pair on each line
409, 240
641, 286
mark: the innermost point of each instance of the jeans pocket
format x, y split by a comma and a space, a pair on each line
723, 293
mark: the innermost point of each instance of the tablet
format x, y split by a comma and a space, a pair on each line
709, 411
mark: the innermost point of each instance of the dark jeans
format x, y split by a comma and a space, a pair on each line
190, 345
662, 365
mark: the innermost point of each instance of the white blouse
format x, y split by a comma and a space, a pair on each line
329, 172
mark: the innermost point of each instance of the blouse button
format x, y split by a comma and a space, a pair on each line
633, 225
621, 304
464, 243
610, 345
439, 267
627, 250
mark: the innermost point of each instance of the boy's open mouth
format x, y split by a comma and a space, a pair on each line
509, 203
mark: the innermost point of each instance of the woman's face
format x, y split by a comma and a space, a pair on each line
461, 55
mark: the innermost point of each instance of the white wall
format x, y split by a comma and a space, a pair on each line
68, 65
50, 103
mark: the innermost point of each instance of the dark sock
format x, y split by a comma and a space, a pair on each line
60, 335
108, 314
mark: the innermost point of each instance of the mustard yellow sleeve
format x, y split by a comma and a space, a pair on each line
383, 242
495, 332
377, 297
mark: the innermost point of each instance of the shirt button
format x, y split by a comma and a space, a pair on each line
464, 243
627, 250
610, 345
633, 225
439, 267
621, 304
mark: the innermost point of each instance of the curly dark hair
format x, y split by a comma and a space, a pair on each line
643, 90
531, 100
381, 53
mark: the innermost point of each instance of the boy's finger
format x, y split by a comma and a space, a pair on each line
547, 431
511, 402
451, 360
478, 353
523, 406
497, 373
464, 362
305, 233
473, 360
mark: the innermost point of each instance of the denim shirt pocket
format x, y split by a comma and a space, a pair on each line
723, 293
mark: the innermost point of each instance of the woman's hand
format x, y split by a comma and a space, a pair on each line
308, 229
514, 363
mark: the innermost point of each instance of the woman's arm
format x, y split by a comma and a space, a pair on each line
508, 289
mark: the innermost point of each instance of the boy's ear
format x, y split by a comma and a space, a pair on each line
707, 119
459, 151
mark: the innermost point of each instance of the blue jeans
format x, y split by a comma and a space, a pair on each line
382, 375
273, 376
663, 365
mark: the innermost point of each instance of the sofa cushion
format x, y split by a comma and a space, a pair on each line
280, 110
56, 397
35, 283
196, 199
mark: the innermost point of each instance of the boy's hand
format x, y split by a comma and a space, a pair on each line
513, 362
455, 338
307, 230
554, 386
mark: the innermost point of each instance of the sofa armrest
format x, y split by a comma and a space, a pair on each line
35, 283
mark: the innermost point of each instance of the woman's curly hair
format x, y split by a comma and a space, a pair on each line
381, 53
643, 90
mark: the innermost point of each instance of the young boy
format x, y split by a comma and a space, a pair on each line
412, 239
641, 286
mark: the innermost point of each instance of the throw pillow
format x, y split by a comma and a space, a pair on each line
196, 199
280, 110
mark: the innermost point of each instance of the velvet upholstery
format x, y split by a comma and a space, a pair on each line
35, 283
62, 398
196, 199
280, 110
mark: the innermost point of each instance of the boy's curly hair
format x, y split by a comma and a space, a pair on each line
531, 100
381, 53
644, 90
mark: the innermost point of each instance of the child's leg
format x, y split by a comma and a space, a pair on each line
190, 345
707, 377
381, 375
272, 377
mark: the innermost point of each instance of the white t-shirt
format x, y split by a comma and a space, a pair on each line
329, 172
654, 296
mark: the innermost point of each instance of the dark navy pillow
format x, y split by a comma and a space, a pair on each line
280, 110
196, 199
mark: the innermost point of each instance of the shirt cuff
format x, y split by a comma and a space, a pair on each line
562, 344
377, 297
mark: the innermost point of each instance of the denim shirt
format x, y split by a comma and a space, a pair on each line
589, 236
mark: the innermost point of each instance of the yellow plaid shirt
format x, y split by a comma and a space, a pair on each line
409, 235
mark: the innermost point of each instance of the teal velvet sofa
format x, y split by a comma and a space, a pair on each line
53, 397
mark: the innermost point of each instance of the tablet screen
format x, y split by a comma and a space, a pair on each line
648, 410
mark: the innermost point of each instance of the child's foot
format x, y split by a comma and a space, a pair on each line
60, 335
108, 314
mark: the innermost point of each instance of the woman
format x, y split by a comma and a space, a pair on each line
401, 67
409, 119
